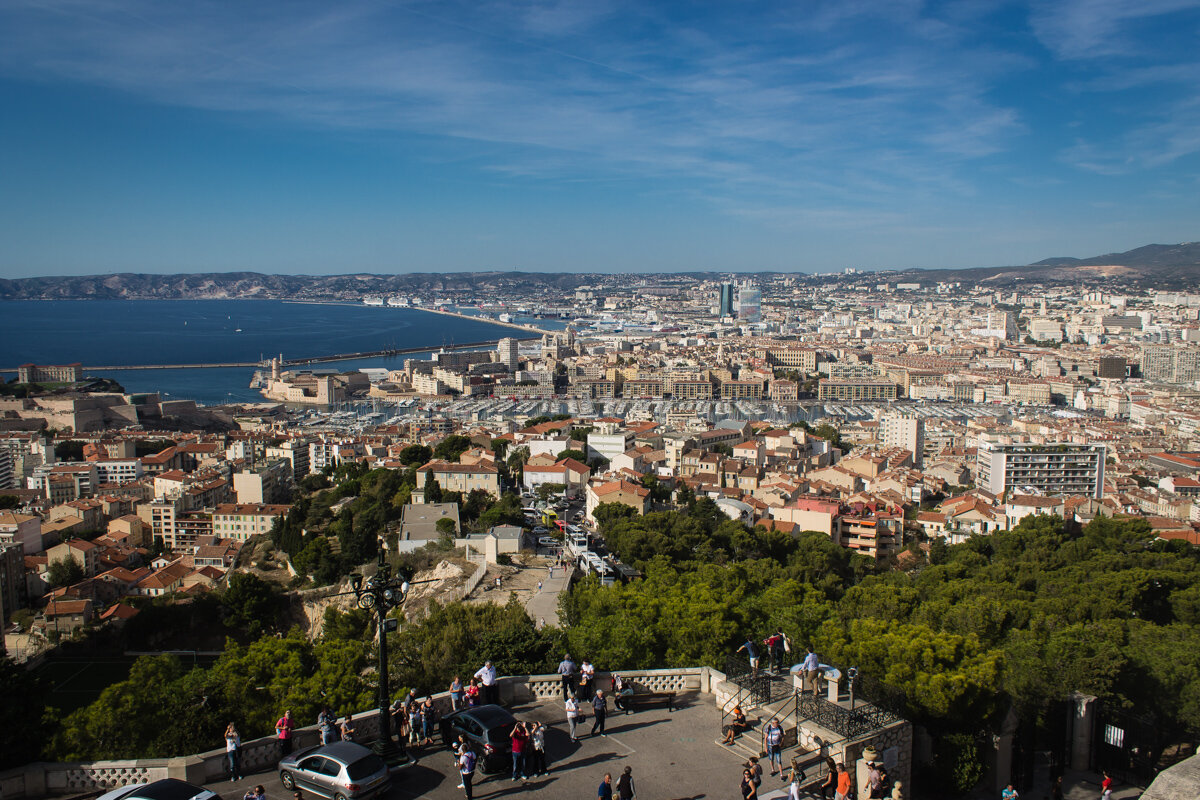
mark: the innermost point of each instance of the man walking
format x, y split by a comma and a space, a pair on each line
812, 670
600, 709
625, 789
844, 783
573, 716
487, 676
772, 741
605, 792
566, 668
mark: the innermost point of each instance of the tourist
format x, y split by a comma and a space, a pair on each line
779, 648
259, 792
749, 790
773, 745
587, 674
1009, 793
621, 689
566, 668
1106, 784
326, 726
605, 791
456, 694
736, 725
844, 783
539, 586
429, 718
794, 786
873, 783
466, 768
625, 788
572, 706
233, 752
751, 654
519, 740
283, 730
829, 785
1056, 790
473, 693
811, 667
756, 770
347, 728
491, 689
898, 794
536, 764
414, 724
600, 709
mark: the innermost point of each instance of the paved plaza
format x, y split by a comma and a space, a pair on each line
673, 755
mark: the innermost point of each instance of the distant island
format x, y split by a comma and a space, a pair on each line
1152, 266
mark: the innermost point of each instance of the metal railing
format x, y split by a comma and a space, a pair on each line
848, 723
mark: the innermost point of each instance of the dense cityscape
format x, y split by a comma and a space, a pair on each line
619, 400
885, 430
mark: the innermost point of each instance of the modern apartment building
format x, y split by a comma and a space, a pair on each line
1042, 469
904, 430
1166, 363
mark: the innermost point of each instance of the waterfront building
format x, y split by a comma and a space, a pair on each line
856, 389
40, 373
904, 430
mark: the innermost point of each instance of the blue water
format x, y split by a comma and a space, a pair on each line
115, 332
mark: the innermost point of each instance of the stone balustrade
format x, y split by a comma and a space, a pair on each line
44, 779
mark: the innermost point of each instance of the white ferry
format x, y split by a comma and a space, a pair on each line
372, 301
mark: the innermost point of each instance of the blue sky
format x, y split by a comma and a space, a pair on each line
318, 137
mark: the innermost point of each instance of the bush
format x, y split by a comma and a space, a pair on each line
504, 560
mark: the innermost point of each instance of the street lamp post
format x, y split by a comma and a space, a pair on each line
381, 593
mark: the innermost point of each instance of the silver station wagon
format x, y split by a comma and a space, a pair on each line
340, 771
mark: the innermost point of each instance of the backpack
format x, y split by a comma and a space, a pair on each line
468, 762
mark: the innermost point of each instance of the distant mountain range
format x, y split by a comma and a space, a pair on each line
1154, 265
1173, 266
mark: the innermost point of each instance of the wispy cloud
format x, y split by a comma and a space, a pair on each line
781, 100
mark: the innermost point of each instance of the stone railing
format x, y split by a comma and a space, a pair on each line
43, 779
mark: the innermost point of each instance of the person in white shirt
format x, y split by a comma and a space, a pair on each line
573, 716
487, 676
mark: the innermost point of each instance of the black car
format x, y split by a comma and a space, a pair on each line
488, 729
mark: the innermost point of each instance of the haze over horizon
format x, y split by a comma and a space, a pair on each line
603, 136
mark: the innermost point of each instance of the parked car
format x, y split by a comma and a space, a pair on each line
340, 771
488, 728
165, 789
548, 541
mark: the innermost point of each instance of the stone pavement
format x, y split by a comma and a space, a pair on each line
542, 607
672, 755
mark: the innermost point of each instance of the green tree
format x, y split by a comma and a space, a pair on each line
577, 455
453, 446
9, 501
250, 603
416, 455
65, 571
499, 448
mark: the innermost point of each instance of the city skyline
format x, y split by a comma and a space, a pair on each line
600, 137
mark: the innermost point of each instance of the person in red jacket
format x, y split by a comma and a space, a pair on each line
520, 743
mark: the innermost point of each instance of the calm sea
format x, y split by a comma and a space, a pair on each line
112, 332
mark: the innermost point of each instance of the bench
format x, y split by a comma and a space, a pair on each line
629, 702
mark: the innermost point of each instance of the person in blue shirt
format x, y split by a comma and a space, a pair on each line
605, 791
566, 668
751, 654
812, 670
